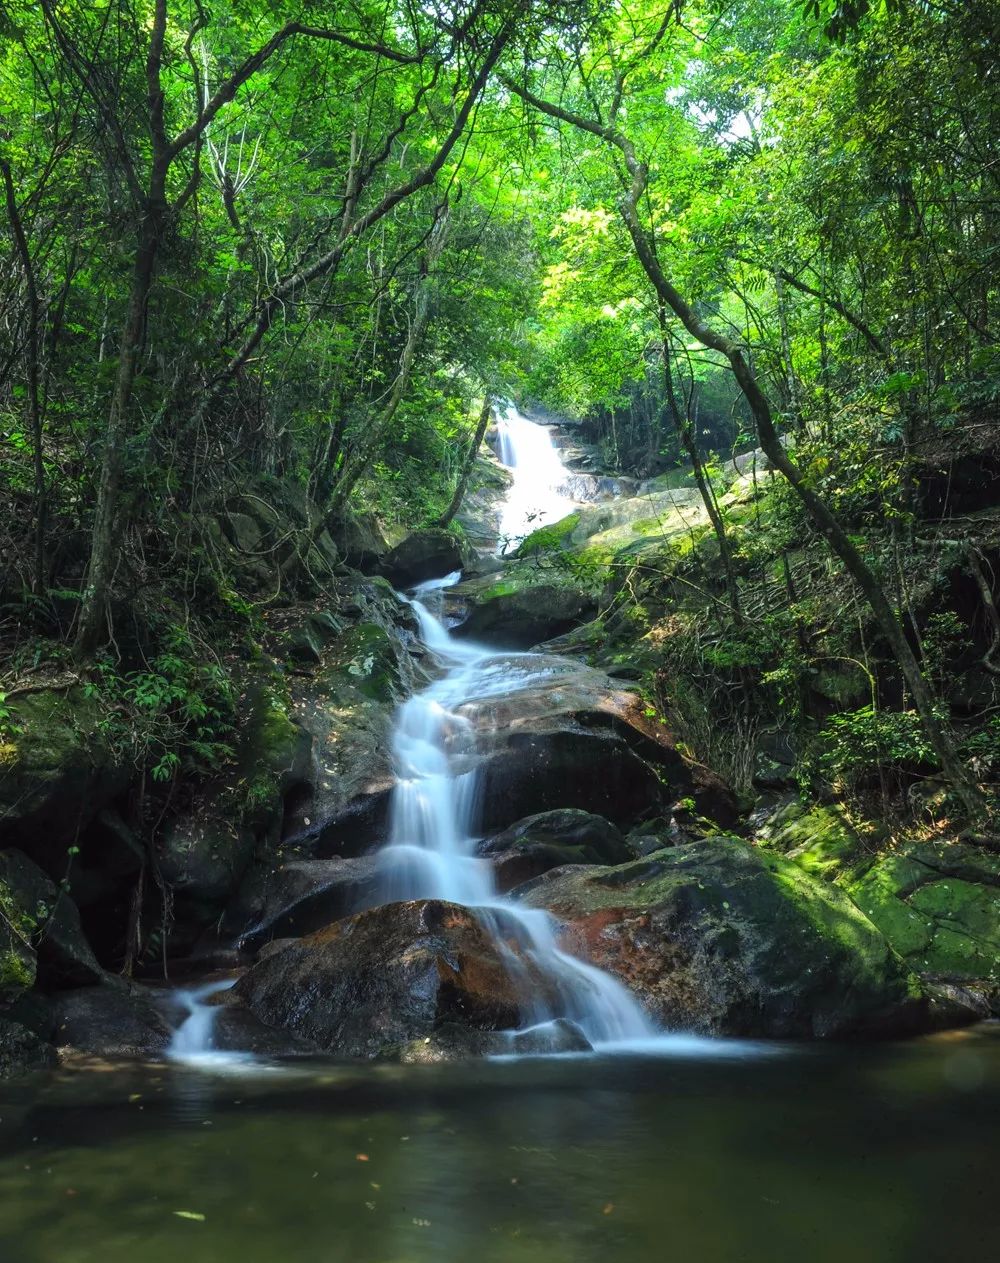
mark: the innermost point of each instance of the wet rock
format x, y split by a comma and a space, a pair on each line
22, 1051
426, 554
453, 1043
552, 838
514, 617
112, 1020
722, 938
305, 895
369, 985
39, 913
237, 1030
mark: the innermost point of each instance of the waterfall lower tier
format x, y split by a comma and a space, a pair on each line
431, 853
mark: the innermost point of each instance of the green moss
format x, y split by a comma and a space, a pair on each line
549, 537
818, 839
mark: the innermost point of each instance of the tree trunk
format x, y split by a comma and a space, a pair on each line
34, 389
468, 463
107, 526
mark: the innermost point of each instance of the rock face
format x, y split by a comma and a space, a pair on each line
722, 938
512, 617
370, 985
553, 838
427, 554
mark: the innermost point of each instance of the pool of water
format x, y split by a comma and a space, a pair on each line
860, 1153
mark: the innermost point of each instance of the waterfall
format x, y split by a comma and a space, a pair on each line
539, 492
431, 851
192, 1041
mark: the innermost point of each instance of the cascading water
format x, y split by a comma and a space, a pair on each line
538, 493
432, 842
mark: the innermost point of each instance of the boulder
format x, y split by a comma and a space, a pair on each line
572, 738
722, 938
370, 985
39, 913
22, 1051
552, 838
305, 895
111, 1020
427, 554
306, 643
359, 540
515, 617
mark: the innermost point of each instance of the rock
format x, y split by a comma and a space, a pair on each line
112, 1020
938, 904
452, 1042
369, 985
819, 839
22, 1051
722, 938
206, 850
427, 554
775, 758
552, 838
237, 1030
307, 642
574, 739
514, 617
305, 895
359, 540
57, 771
242, 531
48, 919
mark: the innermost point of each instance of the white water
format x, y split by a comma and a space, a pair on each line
538, 493
192, 1041
431, 852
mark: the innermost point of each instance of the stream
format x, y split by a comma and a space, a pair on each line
650, 1146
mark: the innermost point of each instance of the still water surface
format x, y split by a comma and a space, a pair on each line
881, 1154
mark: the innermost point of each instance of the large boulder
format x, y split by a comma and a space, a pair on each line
570, 737
359, 540
41, 920
722, 938
370, 985
427, 554
550, 839
514, 617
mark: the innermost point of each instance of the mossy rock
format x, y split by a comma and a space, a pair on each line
722, 937
938, 903
369, 655
819, 839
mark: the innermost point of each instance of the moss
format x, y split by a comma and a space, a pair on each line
923, 901
550, 537
818, 839
369, 657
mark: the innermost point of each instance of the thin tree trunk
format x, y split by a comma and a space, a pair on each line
468, 463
